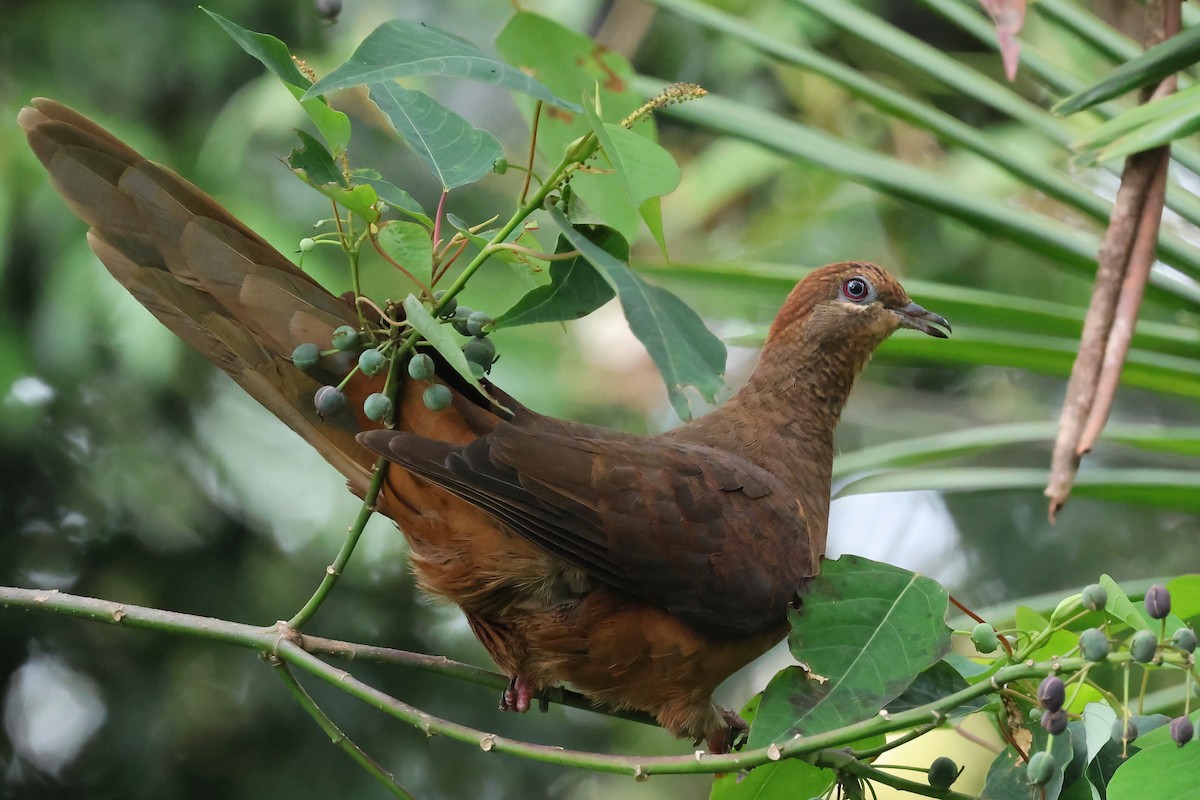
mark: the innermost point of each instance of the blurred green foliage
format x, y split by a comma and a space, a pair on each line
131, 470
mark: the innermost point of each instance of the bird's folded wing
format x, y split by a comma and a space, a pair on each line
699, 531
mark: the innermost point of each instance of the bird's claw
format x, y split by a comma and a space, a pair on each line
732, 737
517, 696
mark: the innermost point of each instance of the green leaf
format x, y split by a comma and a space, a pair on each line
274, 55
400, 48
867, 630
792, 779
1120, 607
1059, 643
441, 338
1178, 489
940, 680
392, 196
575, 290
1161, 771
313, 164
573, 66
1174, 105
1185, 596
409, 245
1098, 719
645, 170
1006, 779
1176, 53
683, 349
455, 151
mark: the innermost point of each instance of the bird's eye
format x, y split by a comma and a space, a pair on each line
856, 289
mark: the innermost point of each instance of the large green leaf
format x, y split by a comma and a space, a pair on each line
401, 48
409, 245
1176, 53
1007, 778
683, 349
866, 630
1180, 105
1164, 770
575, 290
455, 151
1177, 489
333, 125
939, 681
314, 165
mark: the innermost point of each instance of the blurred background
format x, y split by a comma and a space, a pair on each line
132, 470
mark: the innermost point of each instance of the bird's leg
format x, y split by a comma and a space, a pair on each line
730, 737
518, 694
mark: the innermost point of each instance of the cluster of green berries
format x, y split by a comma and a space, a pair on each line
479, 351
330, 400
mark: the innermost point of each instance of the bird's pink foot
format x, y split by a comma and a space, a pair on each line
732, 736
517, 696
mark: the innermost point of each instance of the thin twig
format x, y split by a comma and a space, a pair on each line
1132, 233
537, 117
375, 242
336, 735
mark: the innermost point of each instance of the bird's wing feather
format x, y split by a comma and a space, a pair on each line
712, 538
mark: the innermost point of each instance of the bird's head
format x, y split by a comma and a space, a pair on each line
853, 304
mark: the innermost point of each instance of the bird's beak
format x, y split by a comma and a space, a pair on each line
918, 318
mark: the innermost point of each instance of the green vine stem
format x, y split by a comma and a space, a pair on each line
337, 736
824, 749
334, 570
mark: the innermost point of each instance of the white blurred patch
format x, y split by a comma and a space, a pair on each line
604, 339
911, 530
30, 391
50, 711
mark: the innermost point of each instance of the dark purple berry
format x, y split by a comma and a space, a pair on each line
1054, 722
329, 9
1158, 601
1182, 730
329, 401
1095, 597
1052, 693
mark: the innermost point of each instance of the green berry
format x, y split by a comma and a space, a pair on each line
372, 362
307, 244
477, 370
306, 355
1041, 768
500, 166
450, 307
459, 320
479, 323
481, 351
1095, 597
1054, 722
984, 638
1035, 714
1182, 730
1094, 644
345, 338
378, 407
943, 772
329, 401
1185, 640
1124, 730
421, 367
1158, 601
437, 397
1052, 693
1142, 646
